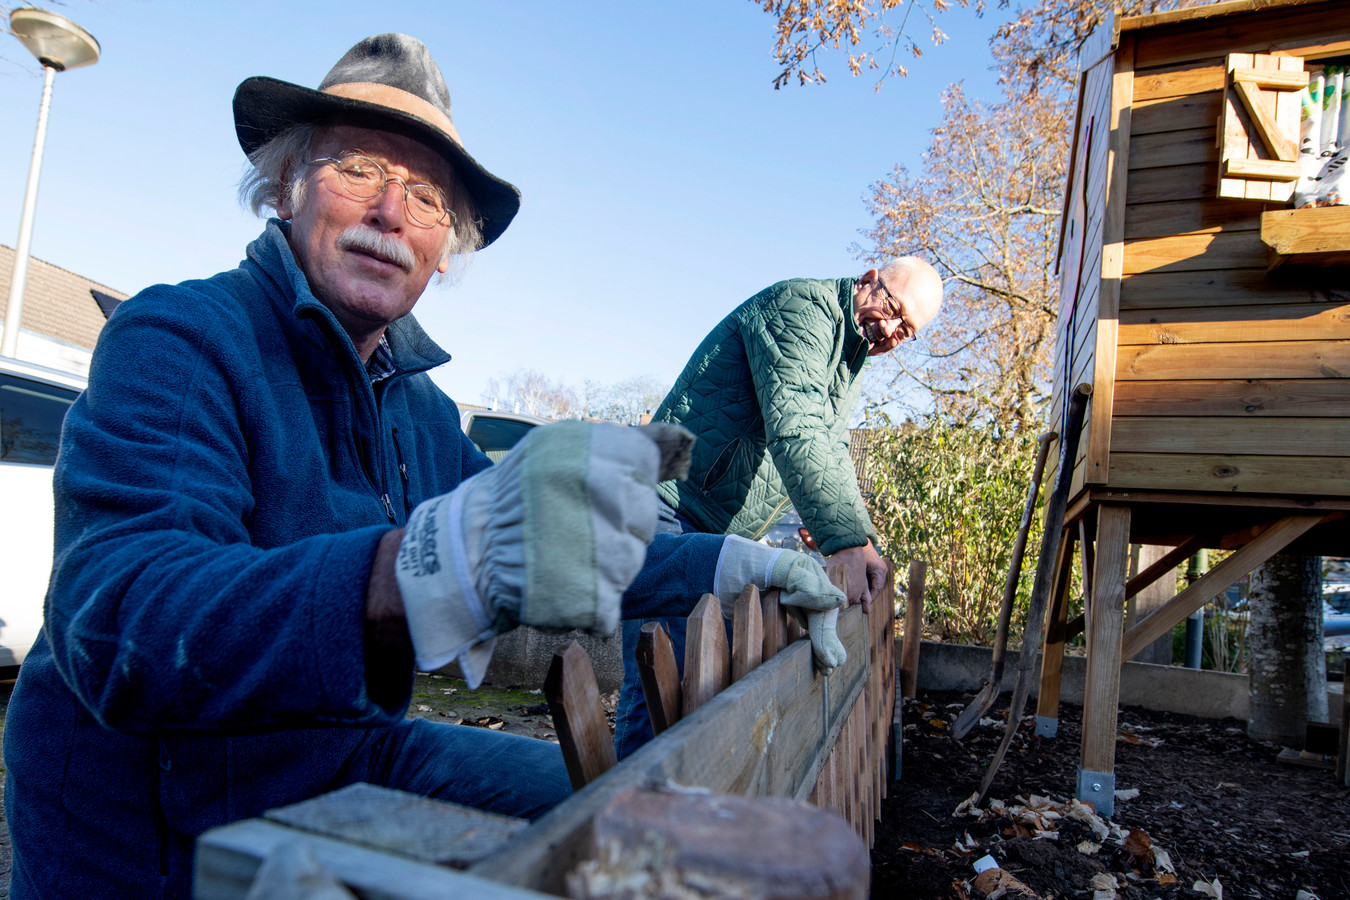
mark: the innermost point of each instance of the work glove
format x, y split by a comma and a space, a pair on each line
551, 537
807, 594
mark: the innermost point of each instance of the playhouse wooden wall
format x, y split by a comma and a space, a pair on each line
1209, 373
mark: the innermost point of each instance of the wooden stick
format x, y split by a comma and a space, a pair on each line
747, 629
659, 675
909, 652
707, 658
574, 701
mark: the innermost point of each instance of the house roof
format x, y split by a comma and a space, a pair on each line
58, 303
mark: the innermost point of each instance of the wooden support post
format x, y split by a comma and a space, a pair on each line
1056, 635
659, 675
747, 629
707, 659
1343, 753
1101, 688
578, 717
909, 657
774, 622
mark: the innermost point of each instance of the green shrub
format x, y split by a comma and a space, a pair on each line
952, 494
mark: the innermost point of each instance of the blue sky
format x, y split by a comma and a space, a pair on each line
664, 180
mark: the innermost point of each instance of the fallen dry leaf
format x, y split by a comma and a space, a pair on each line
1138, 846
1210, 889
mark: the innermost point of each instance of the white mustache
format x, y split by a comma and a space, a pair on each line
377, 243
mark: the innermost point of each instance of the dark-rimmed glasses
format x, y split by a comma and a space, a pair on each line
895, 312
365, 179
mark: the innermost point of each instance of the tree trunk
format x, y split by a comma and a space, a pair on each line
1288, 663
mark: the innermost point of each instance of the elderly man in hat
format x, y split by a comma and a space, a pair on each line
266, 513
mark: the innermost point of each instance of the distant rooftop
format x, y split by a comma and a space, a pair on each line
60, 310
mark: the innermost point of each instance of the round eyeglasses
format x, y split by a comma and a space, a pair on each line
365, 179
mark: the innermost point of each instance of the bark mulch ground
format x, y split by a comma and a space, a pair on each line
1205, 812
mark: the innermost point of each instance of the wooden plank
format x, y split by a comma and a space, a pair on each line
1163, 565
1279, 535
773, 620
660, 676
1309, 236
1275, 79
765, 735
1190, 216
909, 656
1236, 324
1193, 146
1193, 182
1245, 436
1176, 114
1277, 398
707, 658
1097, 447
1180, 80
574, 702
1312, 31
1262, 169
227, 859
1101, 685
1263, 121
1274, 359
381, 818
747, 633
1189, 252
1210, 12
1229, 287
1312, 476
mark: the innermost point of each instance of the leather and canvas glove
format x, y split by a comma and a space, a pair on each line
551, 536
807, 594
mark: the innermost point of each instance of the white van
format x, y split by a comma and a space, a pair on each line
33, 403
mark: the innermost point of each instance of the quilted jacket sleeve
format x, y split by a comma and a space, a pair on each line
794, 354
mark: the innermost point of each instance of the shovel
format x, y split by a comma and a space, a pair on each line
989, 693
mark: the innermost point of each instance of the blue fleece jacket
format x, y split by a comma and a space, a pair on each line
220, 491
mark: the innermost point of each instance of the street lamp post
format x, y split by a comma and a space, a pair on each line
58, 44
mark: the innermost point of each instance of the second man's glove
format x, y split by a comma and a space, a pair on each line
551, 537
807, 593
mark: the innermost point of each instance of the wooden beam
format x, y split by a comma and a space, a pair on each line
1266, 169
574, 701
1275, 79
1271, 541
1101, 686
1279, 146
1164, 564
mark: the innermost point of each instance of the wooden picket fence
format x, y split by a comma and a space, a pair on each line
754, 720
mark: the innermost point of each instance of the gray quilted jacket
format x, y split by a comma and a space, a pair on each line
769, 393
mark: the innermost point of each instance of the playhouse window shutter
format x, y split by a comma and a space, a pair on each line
1258, 131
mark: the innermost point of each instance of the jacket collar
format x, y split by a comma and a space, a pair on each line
412, 348
853, 336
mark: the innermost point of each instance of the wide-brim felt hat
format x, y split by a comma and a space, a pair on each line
388, 82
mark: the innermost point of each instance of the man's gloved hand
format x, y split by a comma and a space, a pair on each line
551, 537
807, 594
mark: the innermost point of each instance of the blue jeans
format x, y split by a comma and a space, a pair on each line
501, 773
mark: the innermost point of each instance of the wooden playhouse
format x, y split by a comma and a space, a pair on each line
1210, 318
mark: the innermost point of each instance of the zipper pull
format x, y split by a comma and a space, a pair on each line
388, 508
